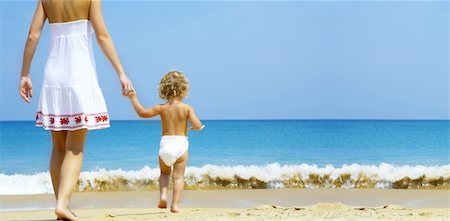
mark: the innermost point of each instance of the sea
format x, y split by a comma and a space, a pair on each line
242, 154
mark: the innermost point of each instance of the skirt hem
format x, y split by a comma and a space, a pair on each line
71, 122
97, 127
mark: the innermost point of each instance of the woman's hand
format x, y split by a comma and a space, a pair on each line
26, 88
127, 87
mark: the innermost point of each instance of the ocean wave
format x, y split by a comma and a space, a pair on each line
245, 177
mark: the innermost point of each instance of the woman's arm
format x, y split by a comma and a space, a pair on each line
196, 124
25, 86
140, 110
106, 44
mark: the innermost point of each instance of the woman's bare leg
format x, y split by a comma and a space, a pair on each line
58, 152
178, 181
70, 171
163, 184
57, 157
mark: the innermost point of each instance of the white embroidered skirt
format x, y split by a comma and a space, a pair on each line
70, 97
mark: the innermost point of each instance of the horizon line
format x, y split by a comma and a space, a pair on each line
282, 119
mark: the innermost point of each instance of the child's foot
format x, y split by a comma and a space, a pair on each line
162, 204
65, 214
174, 209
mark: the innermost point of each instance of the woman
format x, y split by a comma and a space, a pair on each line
71, 102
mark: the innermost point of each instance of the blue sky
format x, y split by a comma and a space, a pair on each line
261, 60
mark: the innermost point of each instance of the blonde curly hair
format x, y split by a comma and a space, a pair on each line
173, 85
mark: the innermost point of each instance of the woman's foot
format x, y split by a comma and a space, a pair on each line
65, 214
174, 208
162, 203
59, 218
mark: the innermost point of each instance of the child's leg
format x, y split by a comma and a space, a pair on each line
163, 184
178, 181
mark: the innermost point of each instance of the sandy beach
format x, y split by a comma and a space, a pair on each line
280, 204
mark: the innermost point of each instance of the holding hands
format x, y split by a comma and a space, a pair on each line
127, 87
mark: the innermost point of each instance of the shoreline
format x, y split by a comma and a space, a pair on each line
247, 198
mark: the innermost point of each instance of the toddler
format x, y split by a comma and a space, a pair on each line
173, 149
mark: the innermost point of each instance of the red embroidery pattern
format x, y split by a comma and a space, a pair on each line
101, 118
64, 120
78, 119
74, 121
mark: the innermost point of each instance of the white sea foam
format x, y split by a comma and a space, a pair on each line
269, 176
25, 184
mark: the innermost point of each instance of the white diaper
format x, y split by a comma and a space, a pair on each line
171, 148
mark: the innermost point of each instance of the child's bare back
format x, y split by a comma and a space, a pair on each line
174, 118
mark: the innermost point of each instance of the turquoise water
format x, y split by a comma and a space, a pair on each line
242, 154
131, 145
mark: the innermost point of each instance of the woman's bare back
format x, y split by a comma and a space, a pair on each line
59, 11
174, 118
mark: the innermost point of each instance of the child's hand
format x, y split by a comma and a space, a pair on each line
131, 94
201, 128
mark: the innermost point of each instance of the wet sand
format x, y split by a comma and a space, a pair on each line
274, 204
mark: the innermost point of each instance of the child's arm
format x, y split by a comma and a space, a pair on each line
140, 110
196, 124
